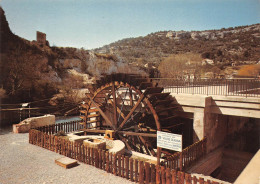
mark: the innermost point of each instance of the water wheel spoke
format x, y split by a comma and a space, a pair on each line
121, 109
129, 128
145, 145
131, 97
114, 105
125, 141
142, 146
132, 111
118, 109
102, 114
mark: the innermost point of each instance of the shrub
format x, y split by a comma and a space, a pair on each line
249, 70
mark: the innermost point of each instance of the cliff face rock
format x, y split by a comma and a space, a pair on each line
29, 70
212, 35
5, 33
5, 30
225, 45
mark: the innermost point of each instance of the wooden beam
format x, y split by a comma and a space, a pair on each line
138, 134
93, 130
148, 146
118, 109
102, 113
144, 144
132, 111
158, 155
125, 141
131, 97
114, 105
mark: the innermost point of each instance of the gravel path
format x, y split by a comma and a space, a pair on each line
21, 162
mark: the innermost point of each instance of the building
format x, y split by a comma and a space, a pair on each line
41, 38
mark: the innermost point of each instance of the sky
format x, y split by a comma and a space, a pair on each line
94, 23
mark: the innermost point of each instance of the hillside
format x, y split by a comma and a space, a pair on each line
240, 45
52, 79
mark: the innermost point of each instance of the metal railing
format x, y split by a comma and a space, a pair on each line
224, 87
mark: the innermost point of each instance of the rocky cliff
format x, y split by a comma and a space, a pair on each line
229, 45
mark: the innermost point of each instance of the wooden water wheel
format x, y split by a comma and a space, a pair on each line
133, 107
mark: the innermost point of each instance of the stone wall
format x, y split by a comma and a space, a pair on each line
233, 163
230, 162
218, 127
25, 125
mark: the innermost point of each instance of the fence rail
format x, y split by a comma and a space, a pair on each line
224, 87
132, 169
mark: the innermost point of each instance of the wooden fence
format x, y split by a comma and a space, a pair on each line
66, 127
182, 160
117, 164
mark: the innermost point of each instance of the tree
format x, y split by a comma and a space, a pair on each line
249, 70
70, 88
179, 65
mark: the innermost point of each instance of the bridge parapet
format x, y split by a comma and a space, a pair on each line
226, 105
223, 87
217, 115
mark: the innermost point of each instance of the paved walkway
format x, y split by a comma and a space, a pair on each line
21, 162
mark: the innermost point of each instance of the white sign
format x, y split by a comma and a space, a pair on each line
169, 141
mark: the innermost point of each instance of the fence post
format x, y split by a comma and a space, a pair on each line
174, 177
96, 158
163, 175
99, 159
194, 179
123, 166
181, 160
141, 172
153, 174
103, 160
147, 172
86, 154
168, 176
201, 181
107, 162
158, 178
119, 165
136, 170
131, 169
127, 167
114, 164
49, 141
92, 156
188, 178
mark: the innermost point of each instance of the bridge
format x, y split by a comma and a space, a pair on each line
227, 112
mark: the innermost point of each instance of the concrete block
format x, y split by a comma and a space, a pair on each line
21, 128
33, 122
118, 147
66, 162
95, 143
